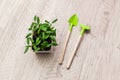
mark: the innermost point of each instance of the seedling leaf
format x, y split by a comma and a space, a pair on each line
35, 18
38, 20
28, 35
47, 21
26, 49
44, 28
54, 21
38, 41
31, 39
28, 41
35, 48
54, 43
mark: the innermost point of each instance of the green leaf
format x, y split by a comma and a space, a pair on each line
40, 36
38, 41
47, 21
37, 49
43, 35
46, 36
28, 41
35, 18
32, 25
28, 35
52, 38
34, 47
46, 25
39, 30
54, 32
44, 43
49, 45
26, 49
38, 20
35, 24
44, 28
31, 39
54, 43
35, 28
48, 32
54, 21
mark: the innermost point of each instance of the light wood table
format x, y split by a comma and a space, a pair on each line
98, 57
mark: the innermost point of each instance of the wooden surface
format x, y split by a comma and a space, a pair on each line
98, 57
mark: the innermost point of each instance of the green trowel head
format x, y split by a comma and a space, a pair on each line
73, 20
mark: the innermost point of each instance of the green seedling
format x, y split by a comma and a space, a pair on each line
83, 29
73, 21
42, 36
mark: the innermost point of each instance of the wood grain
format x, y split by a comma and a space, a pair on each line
98, 56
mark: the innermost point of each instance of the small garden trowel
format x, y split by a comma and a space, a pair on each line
73, 21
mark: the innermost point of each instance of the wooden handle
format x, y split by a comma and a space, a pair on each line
73, 54
61, 58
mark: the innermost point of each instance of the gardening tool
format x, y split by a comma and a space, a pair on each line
84, 28
73, 21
